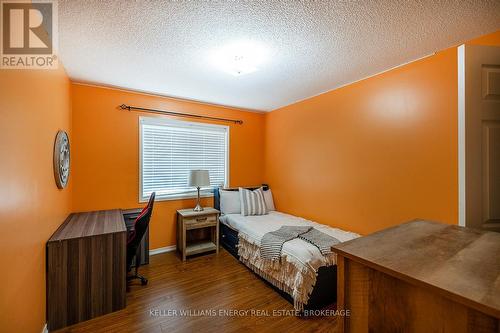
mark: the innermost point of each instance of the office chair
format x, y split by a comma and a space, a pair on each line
135, 235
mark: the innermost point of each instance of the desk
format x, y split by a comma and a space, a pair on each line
420, 277
86, 267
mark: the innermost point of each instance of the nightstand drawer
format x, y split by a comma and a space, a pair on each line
200, 221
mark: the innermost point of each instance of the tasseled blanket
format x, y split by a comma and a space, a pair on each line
287, 274
272, 242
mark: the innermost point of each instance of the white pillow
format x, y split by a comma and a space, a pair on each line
268, 198
252, 202
230, 202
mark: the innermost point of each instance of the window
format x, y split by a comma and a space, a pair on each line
170, 149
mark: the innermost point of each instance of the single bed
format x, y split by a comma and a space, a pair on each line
303, 276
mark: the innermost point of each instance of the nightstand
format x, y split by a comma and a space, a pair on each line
190, 225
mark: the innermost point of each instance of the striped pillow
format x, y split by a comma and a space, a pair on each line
252, 202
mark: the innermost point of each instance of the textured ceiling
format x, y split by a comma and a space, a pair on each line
163, 47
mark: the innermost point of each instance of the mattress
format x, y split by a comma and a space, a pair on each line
254, 227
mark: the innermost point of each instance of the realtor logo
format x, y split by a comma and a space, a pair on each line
29, 34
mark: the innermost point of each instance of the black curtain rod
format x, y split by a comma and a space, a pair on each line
177, 114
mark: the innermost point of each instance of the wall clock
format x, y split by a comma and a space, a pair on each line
61, 159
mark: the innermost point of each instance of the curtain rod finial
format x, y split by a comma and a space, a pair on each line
124, 107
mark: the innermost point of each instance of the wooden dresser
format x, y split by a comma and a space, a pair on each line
420, 277
86, 274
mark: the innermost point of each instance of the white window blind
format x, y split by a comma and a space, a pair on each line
170, 149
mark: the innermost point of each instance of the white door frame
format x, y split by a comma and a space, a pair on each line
461, 135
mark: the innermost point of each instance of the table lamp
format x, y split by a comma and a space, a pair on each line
199, 178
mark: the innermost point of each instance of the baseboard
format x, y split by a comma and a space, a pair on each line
162, 250
45, 329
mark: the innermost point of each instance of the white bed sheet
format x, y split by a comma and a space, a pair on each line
309, 255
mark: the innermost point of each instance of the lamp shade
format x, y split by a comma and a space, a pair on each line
199, 178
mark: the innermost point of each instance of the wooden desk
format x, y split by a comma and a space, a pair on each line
86, 274
420, 277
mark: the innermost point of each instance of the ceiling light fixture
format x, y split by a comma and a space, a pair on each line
239, 58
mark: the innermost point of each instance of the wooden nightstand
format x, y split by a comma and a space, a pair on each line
190, 222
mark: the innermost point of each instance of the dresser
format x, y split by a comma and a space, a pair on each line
420, 277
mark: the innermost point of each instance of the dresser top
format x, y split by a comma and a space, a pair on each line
191, 213
460, 263
88, 224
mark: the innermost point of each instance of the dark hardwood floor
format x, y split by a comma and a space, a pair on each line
206, 283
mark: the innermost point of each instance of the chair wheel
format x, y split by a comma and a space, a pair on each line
144, 281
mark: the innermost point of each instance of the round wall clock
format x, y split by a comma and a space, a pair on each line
61, 159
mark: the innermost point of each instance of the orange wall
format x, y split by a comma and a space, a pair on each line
34, 105
106, 152
374, 153
492, 39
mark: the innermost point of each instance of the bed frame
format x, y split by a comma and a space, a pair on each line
325, 290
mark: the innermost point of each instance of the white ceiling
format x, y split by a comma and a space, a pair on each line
163, 47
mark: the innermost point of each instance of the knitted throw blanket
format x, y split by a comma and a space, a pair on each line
272, 242
321, 240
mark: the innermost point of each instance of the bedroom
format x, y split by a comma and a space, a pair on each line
351, 114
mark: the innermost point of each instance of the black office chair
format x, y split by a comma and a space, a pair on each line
135, 235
